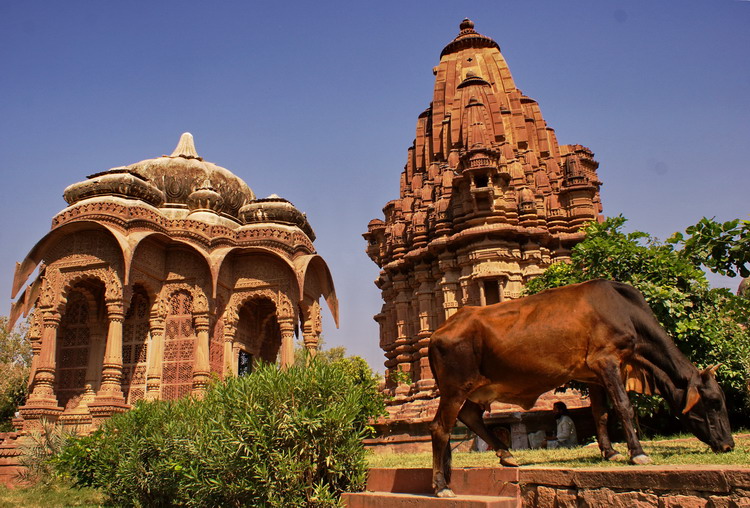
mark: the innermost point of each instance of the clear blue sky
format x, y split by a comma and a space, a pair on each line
317, 102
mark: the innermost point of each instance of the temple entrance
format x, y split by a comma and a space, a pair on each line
258, 332
82, 320
135, 346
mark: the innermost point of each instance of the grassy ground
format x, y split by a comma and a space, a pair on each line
679, 451
54, 496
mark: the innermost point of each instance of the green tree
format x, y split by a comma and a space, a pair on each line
705, 323
15, 358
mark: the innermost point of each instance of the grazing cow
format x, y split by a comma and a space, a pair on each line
598, 332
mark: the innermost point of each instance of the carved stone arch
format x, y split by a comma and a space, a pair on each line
287, 269
286, 309
152, 288
200, 301
51, 239
254, 326
315, 280
113, 290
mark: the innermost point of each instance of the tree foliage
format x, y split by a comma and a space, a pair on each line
271, 438
15, 358
706, 324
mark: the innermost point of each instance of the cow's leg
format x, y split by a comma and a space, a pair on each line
440, 428
598, 398
610, 376
471, 415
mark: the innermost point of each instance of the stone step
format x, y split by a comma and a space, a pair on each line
401, 500
480, 481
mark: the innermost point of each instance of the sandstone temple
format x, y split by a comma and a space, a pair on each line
488, 199
158, 276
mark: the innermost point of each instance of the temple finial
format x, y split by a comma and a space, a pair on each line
466, 24
185, 147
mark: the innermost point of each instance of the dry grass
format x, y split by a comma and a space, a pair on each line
50, 496
680, 451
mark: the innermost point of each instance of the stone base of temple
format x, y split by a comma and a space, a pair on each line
101, 409
406, 428
32, 415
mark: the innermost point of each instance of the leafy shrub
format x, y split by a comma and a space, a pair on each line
39, 449
15, 358
273, 438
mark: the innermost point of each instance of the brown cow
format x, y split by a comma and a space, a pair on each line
595, 332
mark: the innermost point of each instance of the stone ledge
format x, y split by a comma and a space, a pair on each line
710, 478
397, 500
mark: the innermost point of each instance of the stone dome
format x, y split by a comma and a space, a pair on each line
275, 209
183, 172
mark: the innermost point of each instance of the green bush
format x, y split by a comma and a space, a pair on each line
273, 438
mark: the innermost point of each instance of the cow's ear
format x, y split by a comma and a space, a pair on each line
692, 398
710, 371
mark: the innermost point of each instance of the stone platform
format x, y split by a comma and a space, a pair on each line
638, 486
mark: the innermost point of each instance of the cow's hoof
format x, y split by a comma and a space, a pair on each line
446, 492
509, 461
617, 457
641, 459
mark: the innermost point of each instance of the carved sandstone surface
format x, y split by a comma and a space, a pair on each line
488, 199
157, 276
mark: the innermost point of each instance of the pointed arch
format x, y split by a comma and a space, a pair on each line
25, 268
313, 266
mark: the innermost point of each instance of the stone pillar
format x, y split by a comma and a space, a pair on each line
155, 358
287, 342
230, 355
110, 398
42, 400
202, 367
312, 328
449, 285
425, 297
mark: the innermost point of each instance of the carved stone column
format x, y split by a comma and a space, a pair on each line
231, 349
287, 342
42, 401
202, 367
110, 398
425, 298
449, 286
312, 328
155, 359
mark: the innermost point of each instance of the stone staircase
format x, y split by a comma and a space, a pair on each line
412, 488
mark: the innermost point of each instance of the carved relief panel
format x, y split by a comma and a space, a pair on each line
179, 346
135, 346
73, 347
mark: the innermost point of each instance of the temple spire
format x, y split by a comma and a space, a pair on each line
186, 147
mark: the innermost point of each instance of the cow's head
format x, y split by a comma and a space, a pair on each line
705, 412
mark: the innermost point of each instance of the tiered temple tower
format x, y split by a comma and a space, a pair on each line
157, 276
488, 199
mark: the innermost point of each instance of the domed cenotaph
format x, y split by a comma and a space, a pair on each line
158, 276
488, 200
